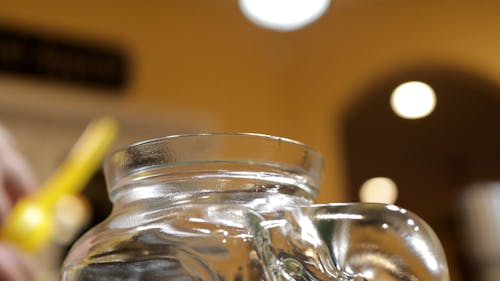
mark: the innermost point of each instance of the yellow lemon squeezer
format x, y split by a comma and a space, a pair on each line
30, 224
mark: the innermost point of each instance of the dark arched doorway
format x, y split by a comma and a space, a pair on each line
433, 159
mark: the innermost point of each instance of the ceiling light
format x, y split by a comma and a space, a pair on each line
413, 100
283, 15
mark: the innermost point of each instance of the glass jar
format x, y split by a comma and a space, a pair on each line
239, 207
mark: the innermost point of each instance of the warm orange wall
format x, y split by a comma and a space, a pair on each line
204, 56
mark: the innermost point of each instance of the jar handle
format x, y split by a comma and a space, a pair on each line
347, 242
289, 264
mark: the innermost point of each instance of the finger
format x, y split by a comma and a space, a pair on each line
5, 200
6, 139
14, 266
18, 177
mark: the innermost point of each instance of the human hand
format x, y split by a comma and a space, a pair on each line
14, 265
16, 180
16, 177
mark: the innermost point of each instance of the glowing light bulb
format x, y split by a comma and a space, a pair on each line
413, 100
283, 15
378, 190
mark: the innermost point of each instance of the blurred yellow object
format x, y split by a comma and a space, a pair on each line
31, 222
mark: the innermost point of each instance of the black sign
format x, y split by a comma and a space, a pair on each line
62, 59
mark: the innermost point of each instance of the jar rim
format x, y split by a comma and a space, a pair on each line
232, 147
189, 135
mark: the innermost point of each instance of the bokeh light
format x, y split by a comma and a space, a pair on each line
378, 190
283, 15
413, 100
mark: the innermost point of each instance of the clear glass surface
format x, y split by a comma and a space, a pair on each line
241, 207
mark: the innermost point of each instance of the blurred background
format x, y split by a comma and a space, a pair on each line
171, 67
